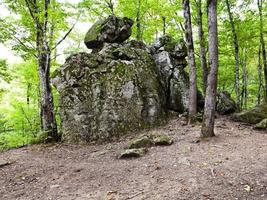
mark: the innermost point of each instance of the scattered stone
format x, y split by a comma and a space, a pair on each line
252, 116
225, 104
111, 30
161, 140
184, 161
141, 142
133, 153
4, 163
262, 125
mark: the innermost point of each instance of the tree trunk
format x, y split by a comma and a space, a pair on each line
259, 75
192, 108
48, 119
47, 105
236, 47
138, 23
207, 129
244, 83
164, 25
263, 47
203, 59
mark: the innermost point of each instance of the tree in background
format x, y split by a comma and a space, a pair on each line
36, 33
192, 107
236, 50
263, 50
202, 50
207, 129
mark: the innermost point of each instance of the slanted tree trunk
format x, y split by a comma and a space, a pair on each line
203, 59
236, 48
262, 42
259, 75
207, 129
192, 108
138, 22
48, 119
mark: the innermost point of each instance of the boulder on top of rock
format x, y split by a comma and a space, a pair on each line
252, 116
225, 104
111, 30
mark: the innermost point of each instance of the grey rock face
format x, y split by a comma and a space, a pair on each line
110, 30
109, 93
170, 59
225, 104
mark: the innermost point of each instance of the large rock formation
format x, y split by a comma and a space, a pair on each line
170, 59
120, 87
106, 94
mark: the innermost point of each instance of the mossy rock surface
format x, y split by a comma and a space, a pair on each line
253, 116
141, 142
161, 140
107, 94
262, 125
133, 153
111, 30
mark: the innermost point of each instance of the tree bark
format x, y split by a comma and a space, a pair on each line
164, 25
259, 75
262, 42
244, 83
203, 59
192, 108
138, 22
236, 48
207, 129
48, 120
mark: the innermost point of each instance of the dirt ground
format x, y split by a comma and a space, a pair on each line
232, 165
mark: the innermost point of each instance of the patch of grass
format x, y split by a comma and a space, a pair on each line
16, 139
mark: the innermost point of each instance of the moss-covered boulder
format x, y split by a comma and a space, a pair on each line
111, 30
262, 125
161, 140
141, 142
252, 116
147, 141
107, 94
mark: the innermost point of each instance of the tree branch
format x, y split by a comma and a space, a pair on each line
66, 35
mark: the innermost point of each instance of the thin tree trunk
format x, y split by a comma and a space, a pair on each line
28, 93
263, 47
203, 59
48, 119
138, 22
207, 129
259, 75
244, 83
236, 48
192, 108
164, 25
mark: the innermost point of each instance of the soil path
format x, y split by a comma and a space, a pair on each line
231, 166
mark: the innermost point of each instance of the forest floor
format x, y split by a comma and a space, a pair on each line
232, 165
